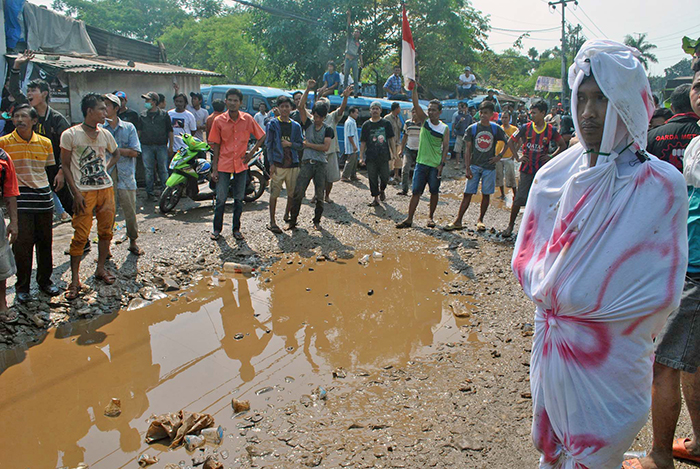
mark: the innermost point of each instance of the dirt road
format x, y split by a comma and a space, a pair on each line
418, 357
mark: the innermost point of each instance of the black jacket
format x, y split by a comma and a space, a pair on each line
668, 141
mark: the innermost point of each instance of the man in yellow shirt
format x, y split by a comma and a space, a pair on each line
31, 154
505, 168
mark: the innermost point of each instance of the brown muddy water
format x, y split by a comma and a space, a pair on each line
282, 332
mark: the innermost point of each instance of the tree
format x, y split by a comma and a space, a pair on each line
639, 42
683, 68
447, 34
220, 44
140, 19
574, 40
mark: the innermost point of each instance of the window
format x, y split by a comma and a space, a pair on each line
257, 102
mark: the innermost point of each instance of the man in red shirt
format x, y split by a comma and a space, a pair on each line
8, 235
229, 165
534, 137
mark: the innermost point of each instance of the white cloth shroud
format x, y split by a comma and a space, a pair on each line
602, 252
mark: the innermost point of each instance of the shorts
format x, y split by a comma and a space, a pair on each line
286, 176
100, 201
8, 268
422, 175
459, 144
487, 178
523, 188
505, 167
678, 344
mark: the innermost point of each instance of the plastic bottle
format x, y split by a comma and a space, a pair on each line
213, 435
192, 442
233, 267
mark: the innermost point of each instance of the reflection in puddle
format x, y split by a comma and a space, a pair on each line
286, 329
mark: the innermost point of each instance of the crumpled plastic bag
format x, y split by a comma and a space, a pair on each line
176, 426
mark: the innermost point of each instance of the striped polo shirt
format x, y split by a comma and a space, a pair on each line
30, 159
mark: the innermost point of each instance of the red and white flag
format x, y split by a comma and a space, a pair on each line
408, 54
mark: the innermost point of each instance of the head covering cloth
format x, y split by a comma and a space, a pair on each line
602, 252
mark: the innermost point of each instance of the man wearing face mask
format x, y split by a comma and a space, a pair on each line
155, 135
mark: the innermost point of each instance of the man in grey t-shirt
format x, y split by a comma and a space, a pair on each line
353, 57
317, 141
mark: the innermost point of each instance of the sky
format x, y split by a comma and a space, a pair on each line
666, 22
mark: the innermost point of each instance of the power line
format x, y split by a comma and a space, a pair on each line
592, 22
676, 33
595, 35
556, 28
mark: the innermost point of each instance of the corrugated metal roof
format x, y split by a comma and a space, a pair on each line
99, 64
113, 45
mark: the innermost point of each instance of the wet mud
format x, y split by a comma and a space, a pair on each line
268, 338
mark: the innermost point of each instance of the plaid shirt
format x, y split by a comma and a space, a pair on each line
393, 84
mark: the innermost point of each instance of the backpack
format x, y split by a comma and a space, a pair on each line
494, 128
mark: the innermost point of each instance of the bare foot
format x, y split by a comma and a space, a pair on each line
654, 461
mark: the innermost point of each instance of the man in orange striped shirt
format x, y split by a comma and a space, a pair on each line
32, 154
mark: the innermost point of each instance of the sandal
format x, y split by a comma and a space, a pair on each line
480, 226
136, 251
73, 291
107, 278
431, 224
453, 227
9, 317
404, 224
274, 228
214, 236
374, 203
507, 233
238, 235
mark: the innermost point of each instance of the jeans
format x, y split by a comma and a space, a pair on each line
155, 159
58, 206
310, 170
351, 64
350, 170
378, 174
239, 181
409, 161
35, 231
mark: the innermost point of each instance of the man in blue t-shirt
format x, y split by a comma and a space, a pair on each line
331, 80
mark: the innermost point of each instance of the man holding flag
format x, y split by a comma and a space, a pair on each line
434, 140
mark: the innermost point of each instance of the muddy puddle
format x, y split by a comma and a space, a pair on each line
270, 338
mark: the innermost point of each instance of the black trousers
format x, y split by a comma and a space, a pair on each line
35, 230
378, 174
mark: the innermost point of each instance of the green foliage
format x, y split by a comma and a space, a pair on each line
140, 19
220, 44
446, 35
639, 41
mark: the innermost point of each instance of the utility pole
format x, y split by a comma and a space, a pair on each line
564, 84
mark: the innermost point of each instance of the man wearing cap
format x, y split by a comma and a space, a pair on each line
200, 114
124, 177
125, 113
467, 84
156, 136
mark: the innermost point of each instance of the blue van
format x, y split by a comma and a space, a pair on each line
253, 96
